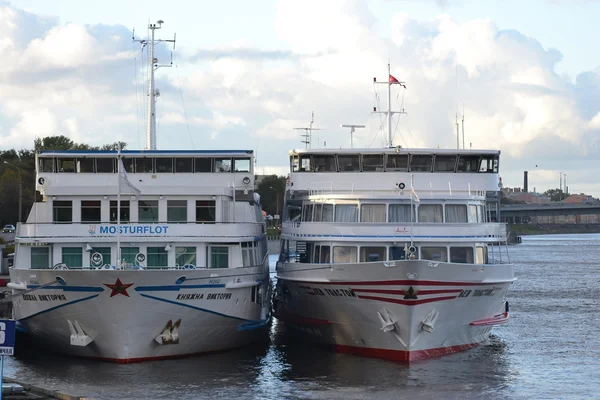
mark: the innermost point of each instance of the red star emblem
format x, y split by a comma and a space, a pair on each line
118, 288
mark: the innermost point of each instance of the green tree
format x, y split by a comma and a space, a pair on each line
272, 191
556, 194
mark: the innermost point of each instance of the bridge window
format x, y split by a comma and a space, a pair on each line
184, 164
489, 164
481, 255
124, 217
372, 213
90, 211
430, 213
344, 254
472, 214
72, 256
323, 212
128, 163
456, 213
346, 213
241, 165
47, 165
219, 257
434, 253
222, 164
128, 255
307, 211
40, 257
144, 165
176, 210
185, 255
65, 164
324, 163
372, 254
461, 255
401, 213
467, 164
396, 162
86, 165
157, 257
164, 165
372, 162
348, 162
421, 163
321, 254
105, 165
444, 163
62, 211
305, 163
203, 165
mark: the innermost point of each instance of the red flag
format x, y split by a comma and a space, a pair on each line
393, 80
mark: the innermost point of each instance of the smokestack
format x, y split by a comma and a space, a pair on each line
525, 181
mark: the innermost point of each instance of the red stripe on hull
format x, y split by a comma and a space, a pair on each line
403, 355
401, 292
407, 302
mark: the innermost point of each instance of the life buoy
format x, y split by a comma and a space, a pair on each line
401, 185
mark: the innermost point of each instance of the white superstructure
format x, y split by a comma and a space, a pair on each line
142, 254
391, 252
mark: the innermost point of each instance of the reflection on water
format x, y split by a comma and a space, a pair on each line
549, 349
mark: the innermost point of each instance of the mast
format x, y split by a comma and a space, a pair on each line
153, 93
389, 82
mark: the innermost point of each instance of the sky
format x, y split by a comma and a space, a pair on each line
245, 74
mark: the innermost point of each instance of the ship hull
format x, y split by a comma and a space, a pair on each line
130, 316
402, 310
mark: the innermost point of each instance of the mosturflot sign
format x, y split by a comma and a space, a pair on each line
128, 229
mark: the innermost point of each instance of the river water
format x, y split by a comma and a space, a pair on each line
550, 349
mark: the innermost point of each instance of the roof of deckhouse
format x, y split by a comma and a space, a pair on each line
145, 153
396, 150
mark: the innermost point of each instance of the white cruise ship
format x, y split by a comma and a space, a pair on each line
140, 255
392, 252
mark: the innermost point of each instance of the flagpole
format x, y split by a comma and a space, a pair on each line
389, 106
412, 210
118, 263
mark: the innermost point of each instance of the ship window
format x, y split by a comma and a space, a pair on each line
472, 214
324, 163
104, 252
148, 211
371, 254
348, 162
401, 213
323, 212
144, 165
294, 163
157, 257
72, 257
46, 164
307, 210
40, 257
420, 163
444, 163
481, 255
86, 165
128, 255
372, 162
219, 257
176, 210
397, 162
203, 165
248, 259
461, 255
65, 164
124, 211
185, 255
222, 164
346, 213
456, 213
344, 254
372, 213
184, 164
430, 213
205, 211
128, 163
62, 211
164, 165
397, 253
321, 254
467, 164
305, 163
434, 253
104, 165
489, 164
90, 211
241, 165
